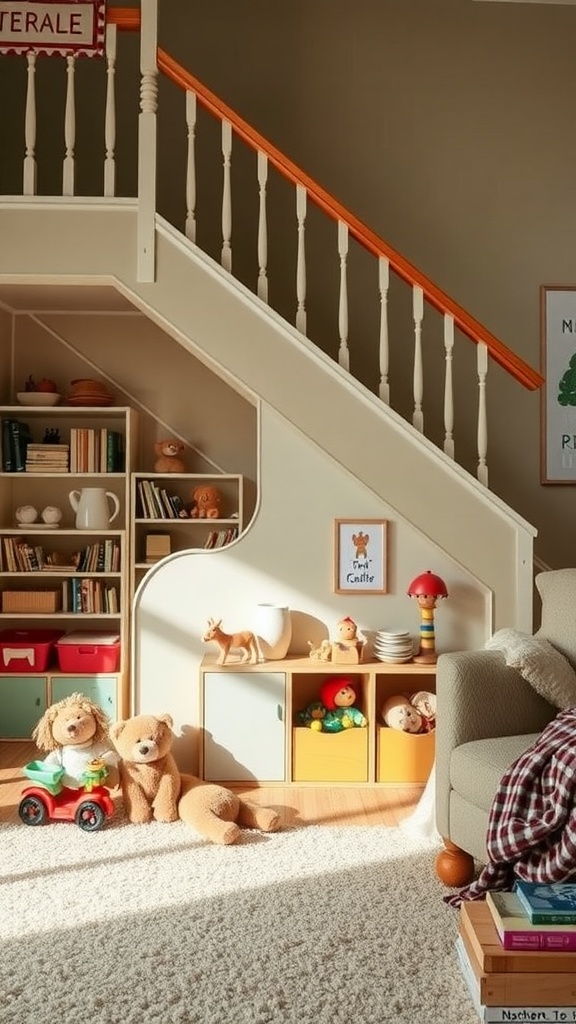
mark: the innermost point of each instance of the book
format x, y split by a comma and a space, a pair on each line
20, 440
477, 925
516, 931
521, 988
548, 902
7, 450
499, 1014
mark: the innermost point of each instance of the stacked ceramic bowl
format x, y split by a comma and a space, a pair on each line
394, 646
89, 392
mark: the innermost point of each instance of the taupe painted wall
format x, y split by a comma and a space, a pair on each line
447, 126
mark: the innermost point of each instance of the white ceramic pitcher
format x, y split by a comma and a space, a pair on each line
92, 508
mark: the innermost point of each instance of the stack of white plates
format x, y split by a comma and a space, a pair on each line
394, 646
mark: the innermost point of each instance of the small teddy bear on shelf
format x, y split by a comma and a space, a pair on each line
169, 454
335, 711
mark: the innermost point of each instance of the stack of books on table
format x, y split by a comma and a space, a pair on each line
516, 968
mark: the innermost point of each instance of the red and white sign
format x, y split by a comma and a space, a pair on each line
55, 26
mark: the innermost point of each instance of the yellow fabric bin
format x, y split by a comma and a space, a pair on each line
403, 756
329, 757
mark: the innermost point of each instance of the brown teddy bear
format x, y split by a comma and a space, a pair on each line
206, 502
152, 786
169, 456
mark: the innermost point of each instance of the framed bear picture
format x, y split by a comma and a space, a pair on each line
360, 556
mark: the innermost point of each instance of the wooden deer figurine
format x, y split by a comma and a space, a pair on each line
246, 642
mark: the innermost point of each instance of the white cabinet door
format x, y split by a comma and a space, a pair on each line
244, 726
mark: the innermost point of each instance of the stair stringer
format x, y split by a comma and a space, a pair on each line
226, 325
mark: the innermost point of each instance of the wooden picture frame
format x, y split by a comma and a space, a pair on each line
558, 393
360, 556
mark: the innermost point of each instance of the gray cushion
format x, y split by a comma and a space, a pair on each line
476, 768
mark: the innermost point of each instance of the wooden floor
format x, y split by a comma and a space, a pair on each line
320, 805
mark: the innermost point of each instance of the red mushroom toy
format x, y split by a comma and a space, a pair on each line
427, 588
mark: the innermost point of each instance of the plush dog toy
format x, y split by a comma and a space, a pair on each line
152, 786
74, 732
169, 456
206, 501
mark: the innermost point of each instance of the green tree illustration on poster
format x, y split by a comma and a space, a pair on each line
567, 385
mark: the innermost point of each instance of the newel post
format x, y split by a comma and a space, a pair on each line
147, 140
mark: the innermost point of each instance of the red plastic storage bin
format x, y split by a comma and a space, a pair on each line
27, 650
89, 651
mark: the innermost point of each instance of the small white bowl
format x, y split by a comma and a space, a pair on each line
38, 398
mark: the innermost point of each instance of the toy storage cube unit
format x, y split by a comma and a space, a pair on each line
27, 650
250, 729
88, 651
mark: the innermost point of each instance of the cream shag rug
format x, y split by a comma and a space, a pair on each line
148, 924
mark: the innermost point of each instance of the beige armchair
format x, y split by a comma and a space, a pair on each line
487, 715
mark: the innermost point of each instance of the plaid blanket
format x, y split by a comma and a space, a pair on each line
532, 823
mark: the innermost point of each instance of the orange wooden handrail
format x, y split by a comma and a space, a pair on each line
127, 18
472, 328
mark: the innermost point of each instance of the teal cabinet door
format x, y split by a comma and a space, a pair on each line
23, 701
100, 689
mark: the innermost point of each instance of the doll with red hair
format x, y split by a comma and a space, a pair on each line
336, 710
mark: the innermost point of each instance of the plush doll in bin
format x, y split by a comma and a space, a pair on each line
410, 714
336, 710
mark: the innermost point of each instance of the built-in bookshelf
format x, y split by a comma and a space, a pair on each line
54, 575
164, 507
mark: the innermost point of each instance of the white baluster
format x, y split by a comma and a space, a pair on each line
383, 285
29, 170
190, 228
226, 257
448, 386
147, 141
262, 288
69, 128
110, 115
482, 366
418, 315
343, 351
301, 259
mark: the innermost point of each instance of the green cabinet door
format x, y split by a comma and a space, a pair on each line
22, 704
100, 689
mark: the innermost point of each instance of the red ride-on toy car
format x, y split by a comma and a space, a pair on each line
49, 799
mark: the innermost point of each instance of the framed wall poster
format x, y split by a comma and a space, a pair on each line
558, 393
360, 556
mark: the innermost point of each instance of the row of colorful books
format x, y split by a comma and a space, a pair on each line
18, 555
155, 502
219, 538
96, 450
91, 450
89, 596
518, 967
